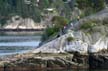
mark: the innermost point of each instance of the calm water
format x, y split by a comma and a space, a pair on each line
77, 70
15, 43
74, 70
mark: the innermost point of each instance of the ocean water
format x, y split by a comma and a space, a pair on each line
63, 70
15, 43
77, 70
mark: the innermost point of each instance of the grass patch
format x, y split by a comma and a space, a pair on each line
88, 25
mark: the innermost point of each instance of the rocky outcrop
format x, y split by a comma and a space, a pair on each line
57, 61
61, 45
17, 22
83, 43
100, 17
89, 40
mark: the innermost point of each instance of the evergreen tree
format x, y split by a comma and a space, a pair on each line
43, 4
98, 4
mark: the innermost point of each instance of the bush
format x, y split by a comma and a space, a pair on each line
90, 6
98, 4
95, 4
49, 32
3, 22
82, 4
59, 21
105, 21
69, 39
88, 25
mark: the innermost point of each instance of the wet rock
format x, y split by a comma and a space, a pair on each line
98, 61
52, 62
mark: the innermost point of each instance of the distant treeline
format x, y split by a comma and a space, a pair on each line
33, 8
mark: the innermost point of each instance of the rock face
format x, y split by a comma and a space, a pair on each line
61, 45
77, 46
17, 22
83, 43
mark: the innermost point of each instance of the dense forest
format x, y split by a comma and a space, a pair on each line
34, 8
28, 8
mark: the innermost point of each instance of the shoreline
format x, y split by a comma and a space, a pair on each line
41, 61
21, 30
47, 61
37, 69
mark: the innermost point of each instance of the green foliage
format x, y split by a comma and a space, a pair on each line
44, 4
2, 22
88, 25
62, 8
69, 39
67, 10
97, 5
105, 21
90, 6
9, 8
82, 4
49, 32
59, 21
28, 10
90, 11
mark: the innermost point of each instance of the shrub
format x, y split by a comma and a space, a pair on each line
49, 32
98, 4
59, 21
88, 25
69, 39
95, 4
3, 22
105, 21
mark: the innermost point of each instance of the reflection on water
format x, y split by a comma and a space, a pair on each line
12, 44
76, 70
69, 70
21, 43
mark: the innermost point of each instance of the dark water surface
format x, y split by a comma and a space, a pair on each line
77, 70
74, 70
